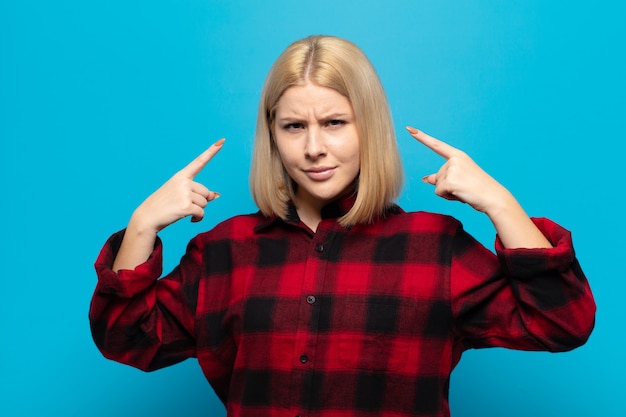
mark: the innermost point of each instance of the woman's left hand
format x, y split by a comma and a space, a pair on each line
460, 178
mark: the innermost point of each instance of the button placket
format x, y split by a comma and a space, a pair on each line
305, 347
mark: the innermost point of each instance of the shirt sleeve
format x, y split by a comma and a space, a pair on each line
527, 299
141, 320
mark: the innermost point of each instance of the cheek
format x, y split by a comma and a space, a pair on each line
287, 158
353, 148
353, 155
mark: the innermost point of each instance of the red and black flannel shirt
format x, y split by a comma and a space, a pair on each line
361, 321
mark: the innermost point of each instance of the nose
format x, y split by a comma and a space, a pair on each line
315, 146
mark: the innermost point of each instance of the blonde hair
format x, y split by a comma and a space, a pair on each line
336, 63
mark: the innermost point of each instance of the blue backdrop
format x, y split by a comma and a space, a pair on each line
101, 101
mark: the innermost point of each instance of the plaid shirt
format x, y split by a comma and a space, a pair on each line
361, 321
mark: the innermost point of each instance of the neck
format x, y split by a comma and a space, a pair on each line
311, 218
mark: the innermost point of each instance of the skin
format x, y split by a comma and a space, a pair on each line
316, 136
317, 139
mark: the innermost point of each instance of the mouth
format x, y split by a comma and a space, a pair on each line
320, 173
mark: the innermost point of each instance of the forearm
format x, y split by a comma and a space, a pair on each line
136, 246
515, 229
138, 319
522, 299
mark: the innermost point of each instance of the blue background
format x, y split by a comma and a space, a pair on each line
101, 101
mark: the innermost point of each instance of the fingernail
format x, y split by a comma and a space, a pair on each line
411, 130
216, 195
219, 142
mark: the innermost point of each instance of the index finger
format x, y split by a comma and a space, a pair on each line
438, 146
195, 166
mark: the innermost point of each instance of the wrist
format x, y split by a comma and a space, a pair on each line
139, 225
504, 205
513, 226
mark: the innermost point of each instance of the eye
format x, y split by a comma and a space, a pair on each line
335, 123
293, 127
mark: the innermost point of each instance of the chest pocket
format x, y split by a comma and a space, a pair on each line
376, 332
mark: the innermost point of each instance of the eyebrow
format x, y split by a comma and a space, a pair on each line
330, 116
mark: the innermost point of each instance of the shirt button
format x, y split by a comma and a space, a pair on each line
304, 358
319, 248
310, 299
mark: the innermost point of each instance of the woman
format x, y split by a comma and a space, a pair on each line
331, 300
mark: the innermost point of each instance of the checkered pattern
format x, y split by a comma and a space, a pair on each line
361, 321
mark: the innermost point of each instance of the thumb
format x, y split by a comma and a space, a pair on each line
430, 179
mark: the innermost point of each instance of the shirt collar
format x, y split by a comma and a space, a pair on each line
332, 210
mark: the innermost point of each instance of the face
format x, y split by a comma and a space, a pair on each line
317, 139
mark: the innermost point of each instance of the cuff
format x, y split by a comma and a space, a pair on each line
525, 263
127, 283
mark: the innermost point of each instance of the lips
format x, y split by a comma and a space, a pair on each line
320, 173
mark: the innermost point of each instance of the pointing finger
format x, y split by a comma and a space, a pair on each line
438, 146
201, 160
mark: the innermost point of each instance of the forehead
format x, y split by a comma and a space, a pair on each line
304, 99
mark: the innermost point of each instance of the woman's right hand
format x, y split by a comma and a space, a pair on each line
179, 197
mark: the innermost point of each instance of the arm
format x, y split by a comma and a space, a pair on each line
533, 295
463, 180
137, 318
140, 320
528, 299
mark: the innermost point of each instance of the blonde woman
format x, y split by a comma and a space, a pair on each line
331, 300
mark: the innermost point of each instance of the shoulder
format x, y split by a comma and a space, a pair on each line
238, 227
420, 221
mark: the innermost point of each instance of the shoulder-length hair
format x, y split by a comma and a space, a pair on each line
336, 63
